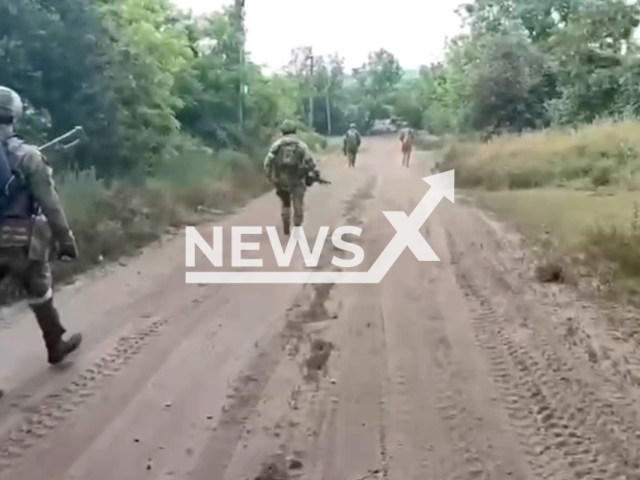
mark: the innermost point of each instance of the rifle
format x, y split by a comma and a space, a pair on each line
315, 177
76, 135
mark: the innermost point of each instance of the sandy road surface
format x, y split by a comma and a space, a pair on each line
460, 369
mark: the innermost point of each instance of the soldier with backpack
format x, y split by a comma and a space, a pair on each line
31, 216
351, 144
290, 167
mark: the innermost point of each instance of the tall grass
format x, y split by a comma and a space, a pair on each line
424, 141
554, 180
115, 220
314, 141
606, 153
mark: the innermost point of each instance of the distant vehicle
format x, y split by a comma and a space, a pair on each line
383, 126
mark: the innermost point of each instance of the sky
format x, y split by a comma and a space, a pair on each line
415, 31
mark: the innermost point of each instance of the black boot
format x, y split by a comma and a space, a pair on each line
286, 225
286, 221
52, 332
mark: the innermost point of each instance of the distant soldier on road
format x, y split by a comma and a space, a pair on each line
407, 136
290, 167
351, 144
31, 216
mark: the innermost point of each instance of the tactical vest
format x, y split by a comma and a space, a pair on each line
23, 204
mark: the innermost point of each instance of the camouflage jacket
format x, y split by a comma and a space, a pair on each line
407, 135
33, 170
351, 140
288, 162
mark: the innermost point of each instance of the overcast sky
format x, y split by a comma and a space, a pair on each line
413, 30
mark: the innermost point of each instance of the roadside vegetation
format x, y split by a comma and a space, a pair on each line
579, 186
536, 107
538, 110
177, 114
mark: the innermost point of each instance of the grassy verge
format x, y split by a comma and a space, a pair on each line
424, 141
602, 154
334, 143
111, 221
117, 220
314, 141
576, 189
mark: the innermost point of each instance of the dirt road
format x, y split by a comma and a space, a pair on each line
460, 369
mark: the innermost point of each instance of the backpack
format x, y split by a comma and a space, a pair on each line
353, 141
10, 184
407, 135
290, 155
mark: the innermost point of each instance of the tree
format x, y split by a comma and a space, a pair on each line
376, 81
528, 64
502, 91
301, 68
147, 81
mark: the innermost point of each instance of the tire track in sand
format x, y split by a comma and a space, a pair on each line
309, 406
60, 406
444, 423
239, 418
567, 429
415, 430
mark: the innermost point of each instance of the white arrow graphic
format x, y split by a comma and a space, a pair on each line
407, 235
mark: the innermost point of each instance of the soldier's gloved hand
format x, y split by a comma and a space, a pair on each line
68, 249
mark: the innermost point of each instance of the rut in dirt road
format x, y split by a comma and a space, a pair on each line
461, 369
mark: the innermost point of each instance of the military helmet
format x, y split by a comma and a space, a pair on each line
288, 126
352, 125
10, 103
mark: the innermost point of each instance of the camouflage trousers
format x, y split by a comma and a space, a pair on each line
291, 198
33, 276
351, 157
24, 258
406, 148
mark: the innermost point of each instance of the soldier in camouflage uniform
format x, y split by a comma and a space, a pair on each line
286, 166
32, 220
406, 144
351, 144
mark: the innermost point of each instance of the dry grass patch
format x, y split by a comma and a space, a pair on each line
425, 141
579, 187
577, 232
602, 154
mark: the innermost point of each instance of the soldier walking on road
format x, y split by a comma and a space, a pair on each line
351, 144
31, 216
290, 167
406, 144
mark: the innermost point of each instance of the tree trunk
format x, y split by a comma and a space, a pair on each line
311, 90
239, 11
329, 129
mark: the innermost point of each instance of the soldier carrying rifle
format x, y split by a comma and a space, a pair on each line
290, 167
31, 217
